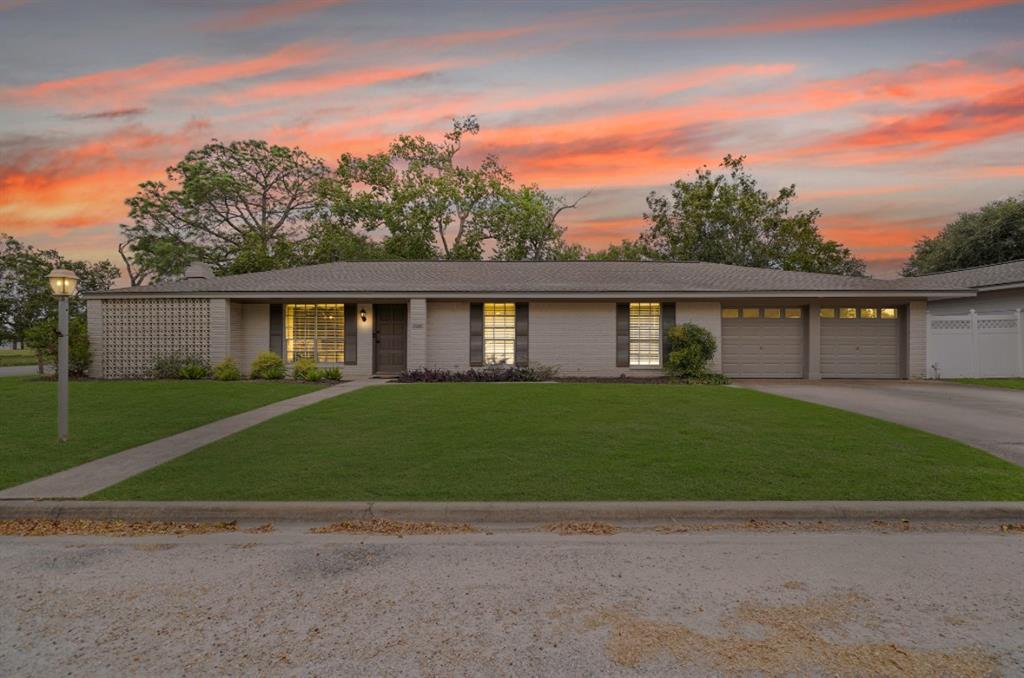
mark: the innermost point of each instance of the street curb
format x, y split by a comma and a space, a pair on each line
514, 512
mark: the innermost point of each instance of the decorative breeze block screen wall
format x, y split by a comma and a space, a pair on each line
138, 331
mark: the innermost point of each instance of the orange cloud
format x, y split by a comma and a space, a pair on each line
266, 14
85, 184
847, 18
928, 132
870, 235
132, 87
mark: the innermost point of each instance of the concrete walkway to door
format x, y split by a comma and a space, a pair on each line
93, 476
990, 419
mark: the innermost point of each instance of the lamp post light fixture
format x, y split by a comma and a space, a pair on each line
63, 284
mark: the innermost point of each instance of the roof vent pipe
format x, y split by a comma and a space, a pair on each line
199, 270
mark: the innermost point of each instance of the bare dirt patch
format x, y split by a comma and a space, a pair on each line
397, 528
576, 527
33, 527
782, 640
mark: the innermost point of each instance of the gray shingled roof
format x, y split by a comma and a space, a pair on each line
532, 277
980, 276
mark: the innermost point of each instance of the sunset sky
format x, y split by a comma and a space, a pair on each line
890, 117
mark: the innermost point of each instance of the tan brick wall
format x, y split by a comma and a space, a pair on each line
364, 345
917, 340
578, 338
448, 335
254, 335
94, 329
416, 350
220, 330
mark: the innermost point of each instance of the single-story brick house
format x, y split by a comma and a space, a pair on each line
588, 318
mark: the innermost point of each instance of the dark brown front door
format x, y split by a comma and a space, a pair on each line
388, 338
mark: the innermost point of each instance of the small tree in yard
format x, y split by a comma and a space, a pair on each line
42, 338
691, 347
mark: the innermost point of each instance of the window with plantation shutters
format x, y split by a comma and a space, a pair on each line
644, 334
500, 334
315, 331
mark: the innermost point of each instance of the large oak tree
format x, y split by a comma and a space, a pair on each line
727, 218
991, 235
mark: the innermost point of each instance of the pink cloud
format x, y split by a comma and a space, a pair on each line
266, 14
845, 18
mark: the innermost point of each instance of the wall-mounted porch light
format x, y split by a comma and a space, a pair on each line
362, 314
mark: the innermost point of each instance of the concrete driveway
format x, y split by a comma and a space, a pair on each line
991, 419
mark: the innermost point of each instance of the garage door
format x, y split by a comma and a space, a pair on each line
860, 343
763, 342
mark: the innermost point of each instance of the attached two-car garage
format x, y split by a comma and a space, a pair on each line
855, 342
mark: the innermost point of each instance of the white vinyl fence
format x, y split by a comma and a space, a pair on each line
976, 345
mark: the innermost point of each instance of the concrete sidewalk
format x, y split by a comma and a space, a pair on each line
517, 513
83, 480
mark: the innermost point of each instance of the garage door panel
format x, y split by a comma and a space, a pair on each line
859, 348
763, 347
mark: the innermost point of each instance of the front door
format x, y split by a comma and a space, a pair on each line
389, 338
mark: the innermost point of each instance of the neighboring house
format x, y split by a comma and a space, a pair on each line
983, 335
588, 318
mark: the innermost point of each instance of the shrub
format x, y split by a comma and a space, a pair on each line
227, 370
690, 348
180, 366
331, 373
42, 337
305, 369
194, 368
268, 365
491, 373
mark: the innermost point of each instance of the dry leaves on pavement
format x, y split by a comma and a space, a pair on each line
393, 527
574, 527
36, 527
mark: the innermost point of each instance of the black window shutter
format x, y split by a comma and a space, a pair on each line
351, 334
277, 329
523, 335
476, 335
622, 335
668, 319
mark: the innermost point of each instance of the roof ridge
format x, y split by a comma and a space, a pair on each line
961, 270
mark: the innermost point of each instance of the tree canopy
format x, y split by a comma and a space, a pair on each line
727, 218
427, 205
991, 235
25, 297
238, 206
250, 206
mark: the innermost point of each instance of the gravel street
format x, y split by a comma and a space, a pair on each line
287, 602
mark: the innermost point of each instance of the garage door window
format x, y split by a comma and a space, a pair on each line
847, 313
751, 313
888, 314
869, 313
827, 313
730, 313
793, 313
773, 313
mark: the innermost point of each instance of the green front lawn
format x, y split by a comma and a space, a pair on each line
998, 383
110, 416
575, 442
10, 357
